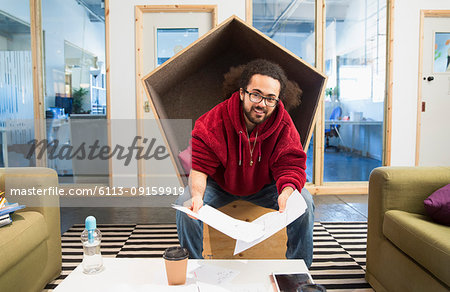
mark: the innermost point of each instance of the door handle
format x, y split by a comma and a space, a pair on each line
429, 78
146, 107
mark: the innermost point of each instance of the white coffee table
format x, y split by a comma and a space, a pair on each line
140, 274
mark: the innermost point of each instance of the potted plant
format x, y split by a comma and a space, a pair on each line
77, 103
332, 94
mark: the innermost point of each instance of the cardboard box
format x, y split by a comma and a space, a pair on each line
190, 83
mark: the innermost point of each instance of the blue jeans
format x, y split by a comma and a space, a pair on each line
299, 232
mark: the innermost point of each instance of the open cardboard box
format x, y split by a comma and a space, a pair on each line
190, 83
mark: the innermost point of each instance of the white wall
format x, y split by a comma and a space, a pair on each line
122, 67
406, 64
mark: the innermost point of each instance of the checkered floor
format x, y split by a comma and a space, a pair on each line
339, 250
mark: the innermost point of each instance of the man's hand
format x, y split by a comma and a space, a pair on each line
197, 184
197, 203
283, 197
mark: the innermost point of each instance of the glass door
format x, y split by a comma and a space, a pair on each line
75, 89
16, 85
355, 63
291, 24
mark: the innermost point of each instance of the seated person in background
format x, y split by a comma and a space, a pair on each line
248, 148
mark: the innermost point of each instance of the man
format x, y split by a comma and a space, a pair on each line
248, 148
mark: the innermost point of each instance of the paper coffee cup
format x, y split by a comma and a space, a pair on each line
175, 259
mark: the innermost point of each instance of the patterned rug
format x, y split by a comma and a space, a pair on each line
339, 260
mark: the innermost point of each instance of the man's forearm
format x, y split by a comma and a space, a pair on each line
284, 196
197, 183
288, 190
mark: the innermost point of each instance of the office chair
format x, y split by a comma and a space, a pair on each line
333, 131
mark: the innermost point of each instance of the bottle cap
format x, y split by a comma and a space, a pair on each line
90, 223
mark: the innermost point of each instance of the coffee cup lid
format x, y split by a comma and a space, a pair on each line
175, 253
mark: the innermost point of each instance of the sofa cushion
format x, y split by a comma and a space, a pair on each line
438, 205
19, 238
426, 242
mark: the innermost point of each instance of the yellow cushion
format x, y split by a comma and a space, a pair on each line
426, 242
19, 238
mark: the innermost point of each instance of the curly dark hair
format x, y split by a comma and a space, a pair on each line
239, 77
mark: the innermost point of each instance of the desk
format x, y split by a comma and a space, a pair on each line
355, 128
141, 274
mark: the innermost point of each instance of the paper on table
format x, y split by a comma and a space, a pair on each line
237, 229
214, 275
275, 221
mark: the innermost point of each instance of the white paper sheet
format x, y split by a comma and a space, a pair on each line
275, 221
214, 275
237, 229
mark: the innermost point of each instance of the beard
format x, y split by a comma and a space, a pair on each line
255, 117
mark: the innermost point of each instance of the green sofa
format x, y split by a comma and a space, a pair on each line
406, 250
30, 247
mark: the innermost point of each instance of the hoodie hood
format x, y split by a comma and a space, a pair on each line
263, 130
243, 165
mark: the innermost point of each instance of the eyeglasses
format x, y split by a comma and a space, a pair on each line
256, 98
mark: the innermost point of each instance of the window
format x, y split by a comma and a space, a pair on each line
291, 24
16, 84
356, 47
75, 87
172, 40
355, 63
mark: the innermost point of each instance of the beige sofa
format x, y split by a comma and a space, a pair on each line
30, 247
406, 250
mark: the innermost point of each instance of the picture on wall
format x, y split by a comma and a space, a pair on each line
441, 52
172, 40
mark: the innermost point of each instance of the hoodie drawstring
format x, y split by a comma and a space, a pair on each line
240, 148
259, 150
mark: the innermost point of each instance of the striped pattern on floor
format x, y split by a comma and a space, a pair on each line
339, 250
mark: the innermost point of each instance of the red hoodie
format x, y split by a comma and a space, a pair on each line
219, 142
